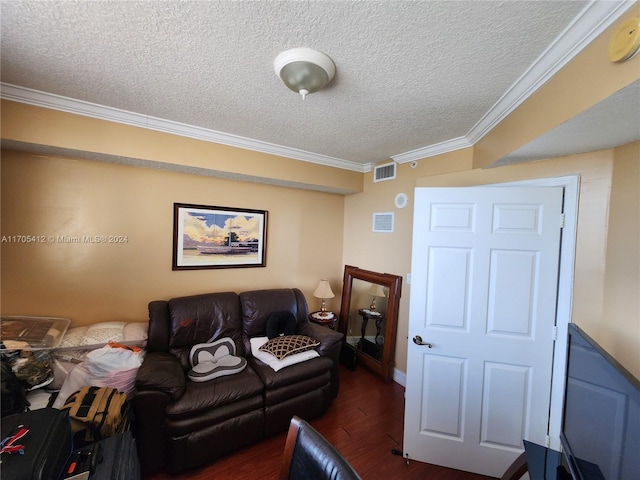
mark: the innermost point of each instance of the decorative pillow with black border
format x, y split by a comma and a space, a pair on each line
286, 345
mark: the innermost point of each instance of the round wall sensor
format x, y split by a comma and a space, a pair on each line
401, 200
626, 41
414, 164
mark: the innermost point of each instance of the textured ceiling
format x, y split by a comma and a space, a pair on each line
410, 74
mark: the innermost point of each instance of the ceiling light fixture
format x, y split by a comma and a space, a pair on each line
304, 70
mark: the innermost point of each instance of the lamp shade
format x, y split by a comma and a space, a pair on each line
377, 290
323, 290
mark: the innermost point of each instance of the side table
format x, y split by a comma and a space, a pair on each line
327, 320
373, 349
369, 314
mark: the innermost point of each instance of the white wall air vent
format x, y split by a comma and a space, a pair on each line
383, 222
385, 171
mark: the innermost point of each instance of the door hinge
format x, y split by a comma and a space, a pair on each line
555, 333
562, 220
547, 441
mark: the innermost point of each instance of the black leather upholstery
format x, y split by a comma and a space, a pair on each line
309, 455
182, 424
281, 323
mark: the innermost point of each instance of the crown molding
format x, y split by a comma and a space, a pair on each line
78, 107
433, 150
594, 19
169, 167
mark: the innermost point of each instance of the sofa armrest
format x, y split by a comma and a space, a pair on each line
148, 428
328, 338
330, 345
161, 371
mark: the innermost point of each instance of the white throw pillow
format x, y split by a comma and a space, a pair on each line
73, 337
135, 331
104, 332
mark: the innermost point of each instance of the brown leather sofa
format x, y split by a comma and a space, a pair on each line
180, 424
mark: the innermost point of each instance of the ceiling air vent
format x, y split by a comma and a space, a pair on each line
383, 172
383, 222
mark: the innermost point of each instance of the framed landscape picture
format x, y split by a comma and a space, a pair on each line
218, 237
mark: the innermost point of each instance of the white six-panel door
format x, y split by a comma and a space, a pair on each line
483, 296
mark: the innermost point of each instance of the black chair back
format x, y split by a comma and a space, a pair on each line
308, 455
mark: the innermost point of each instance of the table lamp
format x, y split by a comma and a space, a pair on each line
323, 291
375, 291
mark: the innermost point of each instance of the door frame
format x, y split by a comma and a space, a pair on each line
571, 185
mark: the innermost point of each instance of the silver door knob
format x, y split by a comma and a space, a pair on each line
418, 341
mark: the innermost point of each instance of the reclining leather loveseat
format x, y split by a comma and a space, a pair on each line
181, 424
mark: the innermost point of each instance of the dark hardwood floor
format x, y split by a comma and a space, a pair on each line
364, 423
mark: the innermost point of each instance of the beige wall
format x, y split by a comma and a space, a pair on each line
41, 126
597, 246
391, 252
619, 329
310, 234
60, 196
53, 196
588, 79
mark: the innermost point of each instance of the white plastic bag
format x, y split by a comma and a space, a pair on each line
107, 359
104, 367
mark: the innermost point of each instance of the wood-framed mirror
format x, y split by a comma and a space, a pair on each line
369, 318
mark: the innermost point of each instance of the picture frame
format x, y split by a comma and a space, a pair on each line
218, 237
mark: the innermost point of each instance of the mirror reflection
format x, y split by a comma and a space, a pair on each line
367, 315
368, 319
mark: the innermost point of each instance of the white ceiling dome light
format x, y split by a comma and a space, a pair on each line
304, 70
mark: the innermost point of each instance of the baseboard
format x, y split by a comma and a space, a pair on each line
399, 377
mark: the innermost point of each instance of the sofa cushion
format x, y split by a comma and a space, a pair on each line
289, 345
288, 393
210, 420
258, 305
291, 375
205, 318
201, 397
